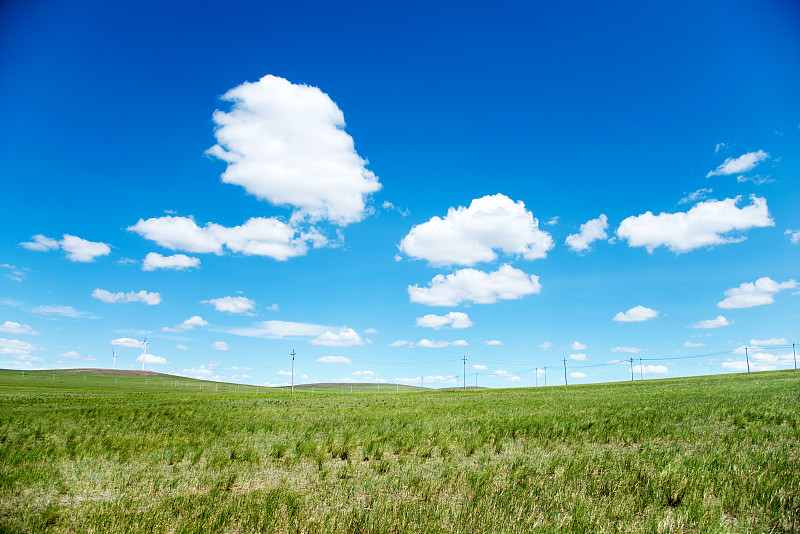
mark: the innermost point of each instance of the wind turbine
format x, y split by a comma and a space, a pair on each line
144, 349
114, 357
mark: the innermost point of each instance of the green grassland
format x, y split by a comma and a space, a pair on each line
704, 454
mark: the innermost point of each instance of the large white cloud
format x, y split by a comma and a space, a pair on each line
760, 361
744, 163
470, 285
240, 305
457, 320
76, 248
146, 297
757, 293
11, 327
637, 314
590, 231
258, 236
466, 236
707, 223
179, 262
15, 347
286, 143
717, 322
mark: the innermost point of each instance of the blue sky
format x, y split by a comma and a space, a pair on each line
386, 189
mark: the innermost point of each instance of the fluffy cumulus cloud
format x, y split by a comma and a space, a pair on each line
152, 358
590, 231
637, 314
757, 293
76, 248
335, 359
579, 356
126, 342
466, 236
15, 347
546, 345
718, 322
145, 297
179, 262
280, 330
258, 236
456, 320
706, 224
744, 163
577, 374
10, 327
220, 345
502, 373
479, 367
760, 361
286, 143
650, 369
345, 337
240, 305
793, 235
577, 345
470, 285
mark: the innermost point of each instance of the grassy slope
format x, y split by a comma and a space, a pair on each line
706, 454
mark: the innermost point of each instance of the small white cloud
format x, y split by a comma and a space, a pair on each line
631, 350
151, 358
546, 345
718, 322
41, 243
507, 375
636, 314
126, 342
577, 345
15, 347
720, 146
650, 369
179, 262
552, 221
579, 356
284, 373
273, 307
220, 345
590, 231
761, 343
577, 374
744, 163
431, 344
466, 236
364, 374
757, 293
399, 343
280, 330
470, 285
457, 320
794, 236
182, 347
706, 224
192, 322
335, 359
15, 274
493, 342
693, 344
149, 298
696, 196
345, 337
77, 249
63, 311
240, 305
479, 367
10, 327
370, 331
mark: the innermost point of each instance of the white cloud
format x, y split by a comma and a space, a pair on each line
744, 163
590, 231
718, 322
182, 347
552, 221
77, 249
15, 347
432, 344
364, 374
236, 368
151, 358
258, 236
507, 375
126, 342
577, 374
761, 361
720, 146
456, 320
399, 343
470, 285
202, 372
345, 337
577, 345
64, 311
15, 274
579, 356
696, 196
151, 299
650, 369
706, 224
370, 331
693, 344
192, 322
758, 343
751, 294
493, 342
335, 359
273, 307
284, 373
220, 345
631, 350
636, 314
466, 236
479, 367
286, 144
10, 327
794, 236
546, 345
280, 330
241, 305
179, 262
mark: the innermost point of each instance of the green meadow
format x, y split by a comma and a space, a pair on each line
126, 452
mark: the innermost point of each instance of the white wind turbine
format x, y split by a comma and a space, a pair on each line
144, 349
114, 357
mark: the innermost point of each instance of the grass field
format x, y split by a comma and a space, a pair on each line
705, 454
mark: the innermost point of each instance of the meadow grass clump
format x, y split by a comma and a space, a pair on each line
706, 454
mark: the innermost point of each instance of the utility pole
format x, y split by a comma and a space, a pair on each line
545, 376
565, 372
795, 357
464, 358
631, 369
536, 377
641, 372
476, 379
747, 358
292, 371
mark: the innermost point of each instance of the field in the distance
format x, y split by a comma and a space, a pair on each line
705, 454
